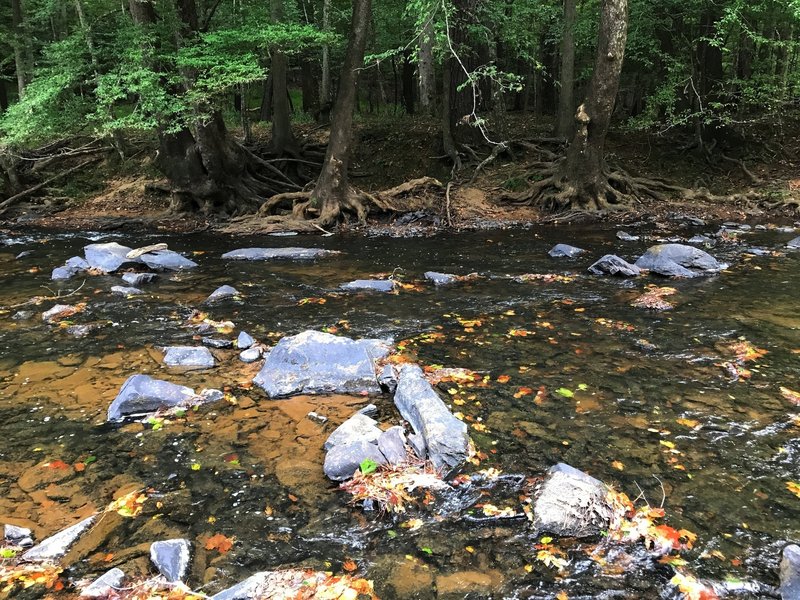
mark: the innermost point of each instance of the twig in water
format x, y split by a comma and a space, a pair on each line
663, 491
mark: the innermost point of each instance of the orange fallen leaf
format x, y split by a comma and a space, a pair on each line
108, 557
503, 379
220, 543
79, 466
349, 566
56, 464
791, 396
293, 498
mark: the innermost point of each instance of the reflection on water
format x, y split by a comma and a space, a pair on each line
575, 374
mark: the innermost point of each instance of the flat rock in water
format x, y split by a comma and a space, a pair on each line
790, 573
244, 341
571, 503
135, 279
445, 436
217, 342
223, 292
142, 394
277, 253
245, 590
17, 536
171, 558
105, 585
342, 461
679, 260
795, 243
612, 264
700, 239
57, 545
314, 362
374, 285
122, 290
190, 357
250, 355
58, 312
565, 251
357, 428
392, 445
167, 260
627, 237
440, 278
107, 257
23, 315
71, 268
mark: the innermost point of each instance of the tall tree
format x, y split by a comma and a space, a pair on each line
566, 102
425, 69
19, 42
283, 140
332, 192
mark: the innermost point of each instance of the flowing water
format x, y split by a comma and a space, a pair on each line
651, 410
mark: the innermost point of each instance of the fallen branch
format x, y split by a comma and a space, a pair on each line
5, 204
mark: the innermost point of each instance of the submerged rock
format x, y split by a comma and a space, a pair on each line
314, 362
679, 260
612, 264
357, 428
167, 260
795, 243
108, 257
135, 279
58, 312
445, 436
244, 341
343, 460
250, 355
121, 290
627, 237
142, 394
392, 444
217, 342
190, 357
105, 585
171, 558
17, 536
565, 251
57, 545
700, 239
23, 315
71, 268
277, 253
571, 503
790, 573
375, 285
440, 278
223, 292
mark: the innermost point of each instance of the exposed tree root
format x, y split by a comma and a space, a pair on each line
294, 211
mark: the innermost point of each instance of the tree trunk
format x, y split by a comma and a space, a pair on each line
566, 101
325, 80
583, 174
18, 39
332, 191
463, 96
283, 140
408, 82
427, 81
310, 87
265, 112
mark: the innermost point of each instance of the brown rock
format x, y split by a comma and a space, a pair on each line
463, 582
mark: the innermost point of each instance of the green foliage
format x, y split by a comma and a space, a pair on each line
368, 466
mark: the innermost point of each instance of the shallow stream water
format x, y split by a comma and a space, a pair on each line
651, 412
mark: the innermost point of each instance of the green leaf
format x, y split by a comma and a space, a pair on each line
7, 553
565, 392
427, 550
368, 466
392, 534
583, 387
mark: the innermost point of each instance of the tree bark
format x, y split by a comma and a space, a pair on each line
332, 191
325, 80
583, 174
427, 81
462, 95
310, 87
566, 101
18, 40
407, 78
283, 140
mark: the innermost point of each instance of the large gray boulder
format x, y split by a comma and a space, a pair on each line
277, 253
790, 573
571, 503
108, 257
565, 251
167, 260
189, 357
679, 260
142, 394
445, 436
342, 461
314, 362
611, 264
368, 285
105, 585
357, 428
171, 558
57, 545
